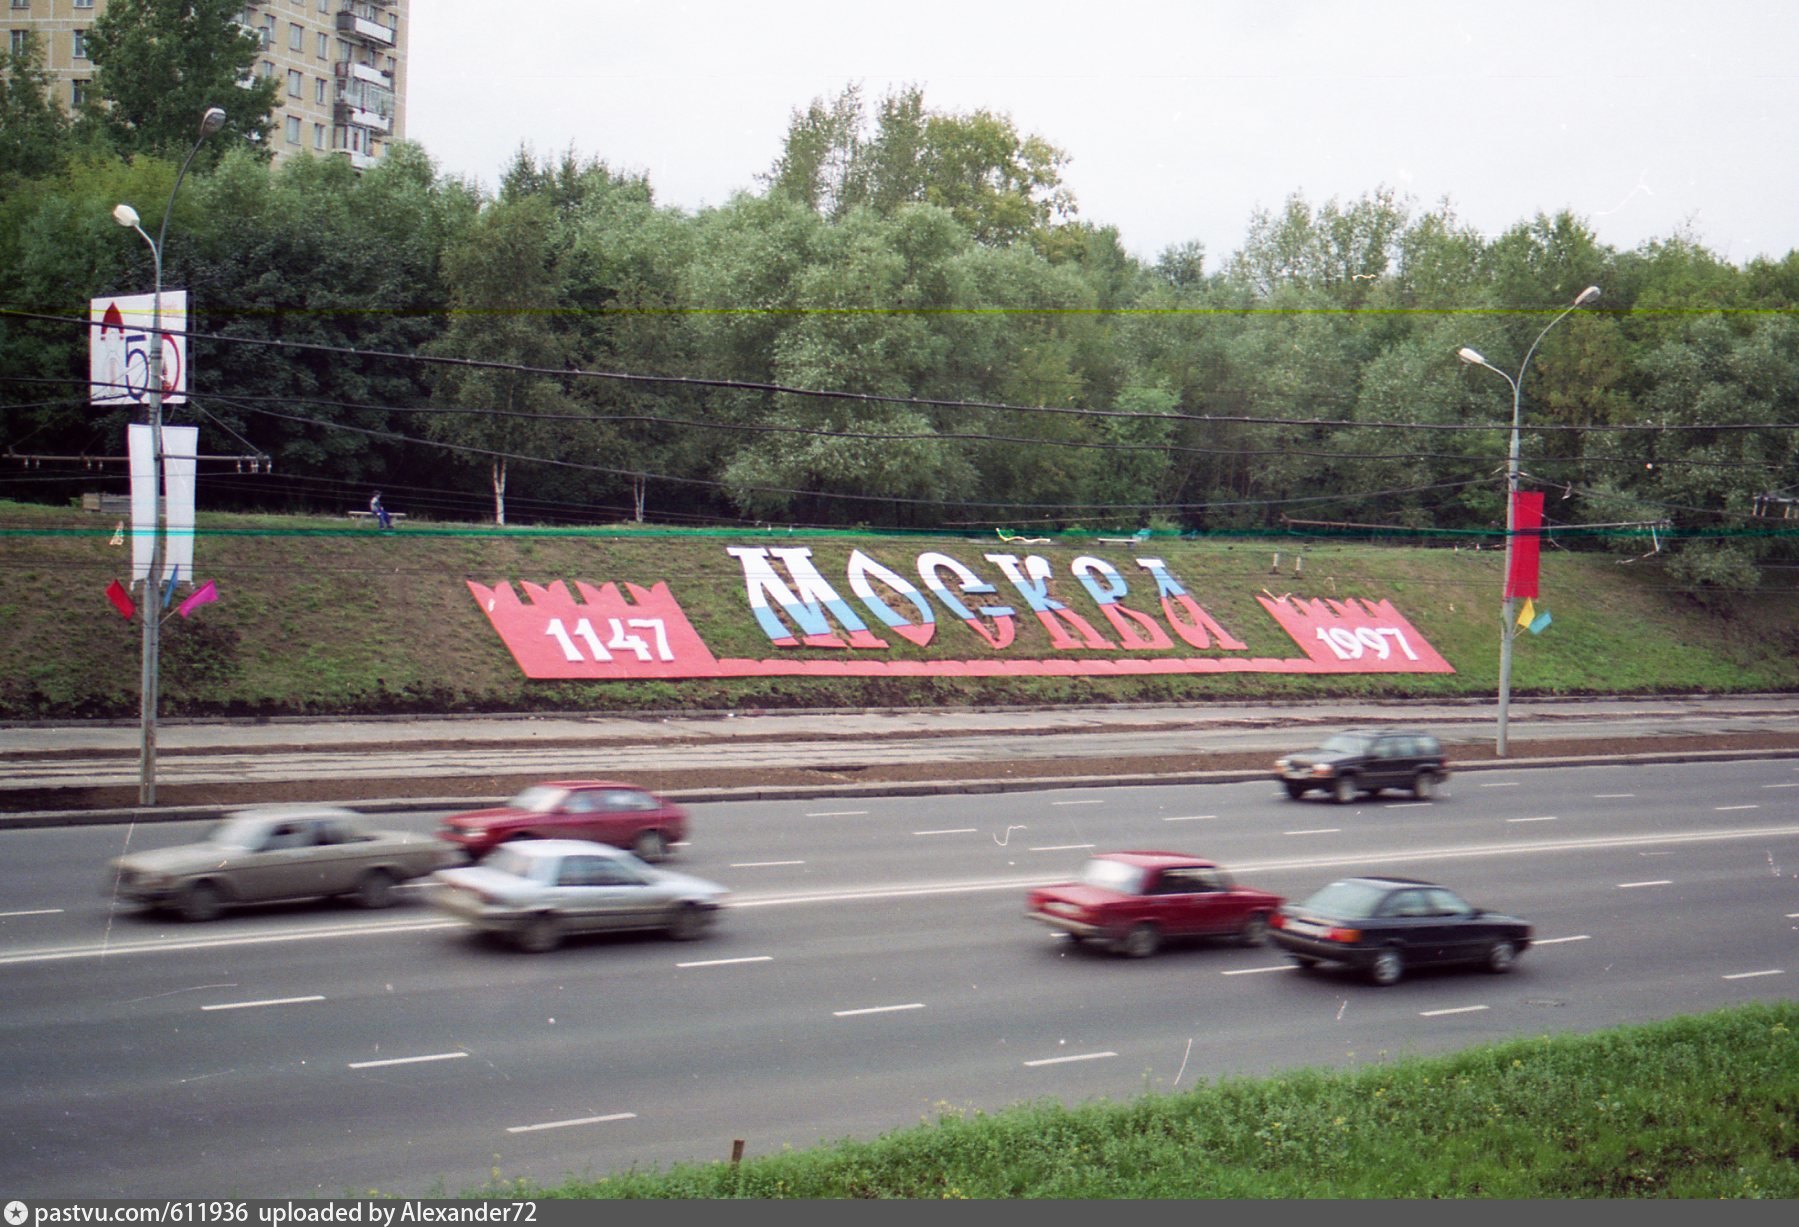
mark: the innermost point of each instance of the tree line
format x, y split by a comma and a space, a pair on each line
905, 323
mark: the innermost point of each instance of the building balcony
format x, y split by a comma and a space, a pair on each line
363, 21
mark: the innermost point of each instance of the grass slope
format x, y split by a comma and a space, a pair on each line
317, 616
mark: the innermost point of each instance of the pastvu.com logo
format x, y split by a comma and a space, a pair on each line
16, 1213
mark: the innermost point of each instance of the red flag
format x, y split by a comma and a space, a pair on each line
121, 600
1527, 529
205, 594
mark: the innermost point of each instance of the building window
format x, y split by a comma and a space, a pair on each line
324, 6
318, 136
324, 46
268, 68
293, 129
80, 50
319, 91
296, 82
296, 36
18, 42
21, 4
84, 4
78, 93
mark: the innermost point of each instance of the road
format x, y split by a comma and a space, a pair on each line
874, 970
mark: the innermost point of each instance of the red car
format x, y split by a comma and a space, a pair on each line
622, 815
1134, 900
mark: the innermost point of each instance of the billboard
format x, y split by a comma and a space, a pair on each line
119, 348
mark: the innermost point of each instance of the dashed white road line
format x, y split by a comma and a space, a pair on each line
1750, 975
839, 813
951, 831
749, 958
1725, 809
1192, 818
877, 1009
1465, 1009
1656, 882
1085, 1056
565, 1124
436, 1056
1613, 796
42, 911
1062, 847
251, 1005
1256, 971
1500, 784
1083, 801
1545, 818
1315, 831
763, 864
1556, 941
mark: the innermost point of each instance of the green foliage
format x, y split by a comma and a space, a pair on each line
34, 130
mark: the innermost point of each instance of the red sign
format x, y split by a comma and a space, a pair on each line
598, 633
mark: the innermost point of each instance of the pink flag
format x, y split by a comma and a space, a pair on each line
121, 600
205, 594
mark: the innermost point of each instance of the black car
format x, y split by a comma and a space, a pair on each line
1384, 925
1366, 761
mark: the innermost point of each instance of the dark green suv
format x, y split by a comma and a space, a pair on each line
1365, 761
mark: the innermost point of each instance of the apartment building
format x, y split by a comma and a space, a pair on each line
342, 64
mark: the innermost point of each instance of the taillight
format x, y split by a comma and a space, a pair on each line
1343, 935
1277, 921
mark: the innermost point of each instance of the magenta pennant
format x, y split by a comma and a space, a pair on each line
121, 599
205, 594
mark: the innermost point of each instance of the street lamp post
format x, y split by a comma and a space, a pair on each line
126, 216
1507, 607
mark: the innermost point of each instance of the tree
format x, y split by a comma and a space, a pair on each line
158, 64
34, 131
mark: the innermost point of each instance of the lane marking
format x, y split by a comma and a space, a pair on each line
1466, 1009
877, 1009
436, 1056
1061, 848
1556, 941
1256, 971
251, 1005
1501, 784
1780, 785
839, 813
950, 831
1657, 882
763, 864
1613, 796
565, 1124
1315, 831
1193, 818
1097, 801
42, 911
1724, 809
1750, 975
1549, 818
751, 958
1405, 804
1086, 1056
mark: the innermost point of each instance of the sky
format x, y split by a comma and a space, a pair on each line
1180, 118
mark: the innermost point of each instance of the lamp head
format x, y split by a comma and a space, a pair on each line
125, 215
1470, 356
1590, 294
211, 121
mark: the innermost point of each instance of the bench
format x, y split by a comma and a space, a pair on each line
1136, 538
395, 516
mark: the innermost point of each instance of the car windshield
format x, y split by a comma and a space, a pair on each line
238, 832
1346, 898
1112, 875
1347, 743
539, 799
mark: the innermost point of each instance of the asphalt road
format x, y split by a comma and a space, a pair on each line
875, 969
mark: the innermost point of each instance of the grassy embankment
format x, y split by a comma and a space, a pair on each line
317, 616
1706, 1106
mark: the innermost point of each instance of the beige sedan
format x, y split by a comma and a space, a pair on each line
260, 855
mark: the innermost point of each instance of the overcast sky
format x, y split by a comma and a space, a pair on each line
1179, 117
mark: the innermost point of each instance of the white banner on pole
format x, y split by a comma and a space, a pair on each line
180, 452
119, 348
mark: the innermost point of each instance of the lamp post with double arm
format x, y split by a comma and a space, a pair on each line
125, 215
1507, 608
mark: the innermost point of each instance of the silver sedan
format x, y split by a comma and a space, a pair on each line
537, 891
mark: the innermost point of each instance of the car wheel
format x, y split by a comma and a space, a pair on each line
1295, 790
1254, 931
375, 889
1140, 942
689, 923
1501, 956
650, 845
539, 934
200, 901
1387, 967
1343, 790
1424, 785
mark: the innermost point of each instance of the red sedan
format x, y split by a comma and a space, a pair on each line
1132, 901
622, 815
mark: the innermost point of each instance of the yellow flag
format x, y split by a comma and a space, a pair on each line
1528, 614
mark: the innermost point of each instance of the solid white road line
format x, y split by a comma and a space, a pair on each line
1061, 848
564, 1124
436, 1056
1086, 1056
877, 1009
251, 1005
